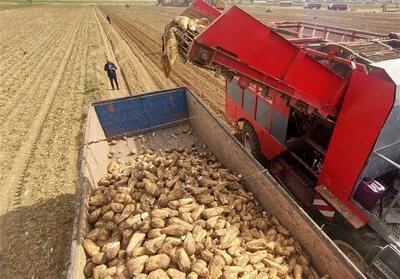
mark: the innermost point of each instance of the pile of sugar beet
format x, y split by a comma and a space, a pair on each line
179, 213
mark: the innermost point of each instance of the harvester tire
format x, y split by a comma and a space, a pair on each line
250, 140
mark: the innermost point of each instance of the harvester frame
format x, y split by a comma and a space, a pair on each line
305, 93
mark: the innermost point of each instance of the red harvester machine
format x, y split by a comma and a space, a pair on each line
322, 105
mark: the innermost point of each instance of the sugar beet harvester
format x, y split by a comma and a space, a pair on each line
149, 120
321, 104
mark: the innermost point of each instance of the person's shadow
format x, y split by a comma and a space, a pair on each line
36, 239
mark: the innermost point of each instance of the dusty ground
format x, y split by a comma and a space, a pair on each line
142, 32
51, 67
364, 19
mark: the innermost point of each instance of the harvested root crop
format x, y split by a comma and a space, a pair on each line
180, 214
171, 40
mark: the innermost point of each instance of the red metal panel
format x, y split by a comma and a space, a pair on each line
199, 9
230, 109
367, 104
245, 45
320, 79
270, 147
279, 102
232, 31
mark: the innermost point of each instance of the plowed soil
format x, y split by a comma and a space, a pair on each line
51, 67
142, 32
51, 61
363, 19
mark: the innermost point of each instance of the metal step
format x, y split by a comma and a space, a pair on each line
386, 263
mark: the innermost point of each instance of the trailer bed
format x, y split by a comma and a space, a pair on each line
177, 118
180, 135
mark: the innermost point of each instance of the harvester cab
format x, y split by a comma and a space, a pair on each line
321, 104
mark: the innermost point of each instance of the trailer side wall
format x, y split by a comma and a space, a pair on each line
105, 120
325, 256
273, 198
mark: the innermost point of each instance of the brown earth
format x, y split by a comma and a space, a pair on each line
363, 19
51, 68
142, 32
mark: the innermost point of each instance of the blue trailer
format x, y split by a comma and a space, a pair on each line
158, 116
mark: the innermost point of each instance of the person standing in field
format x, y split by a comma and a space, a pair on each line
111, 70
109, 19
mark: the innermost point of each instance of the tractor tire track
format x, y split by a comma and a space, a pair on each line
13, 136
147, 61
25, 151
32, 52
64, 106
109, 53
15, 181
26, 37
143, 39
138, 79
32, 82
36, 224
31, 47
52, 169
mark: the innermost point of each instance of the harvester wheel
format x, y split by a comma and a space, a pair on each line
351, 253
250, 140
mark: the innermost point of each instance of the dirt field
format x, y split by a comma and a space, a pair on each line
142, 34
51, 68
364, 19
47, 79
